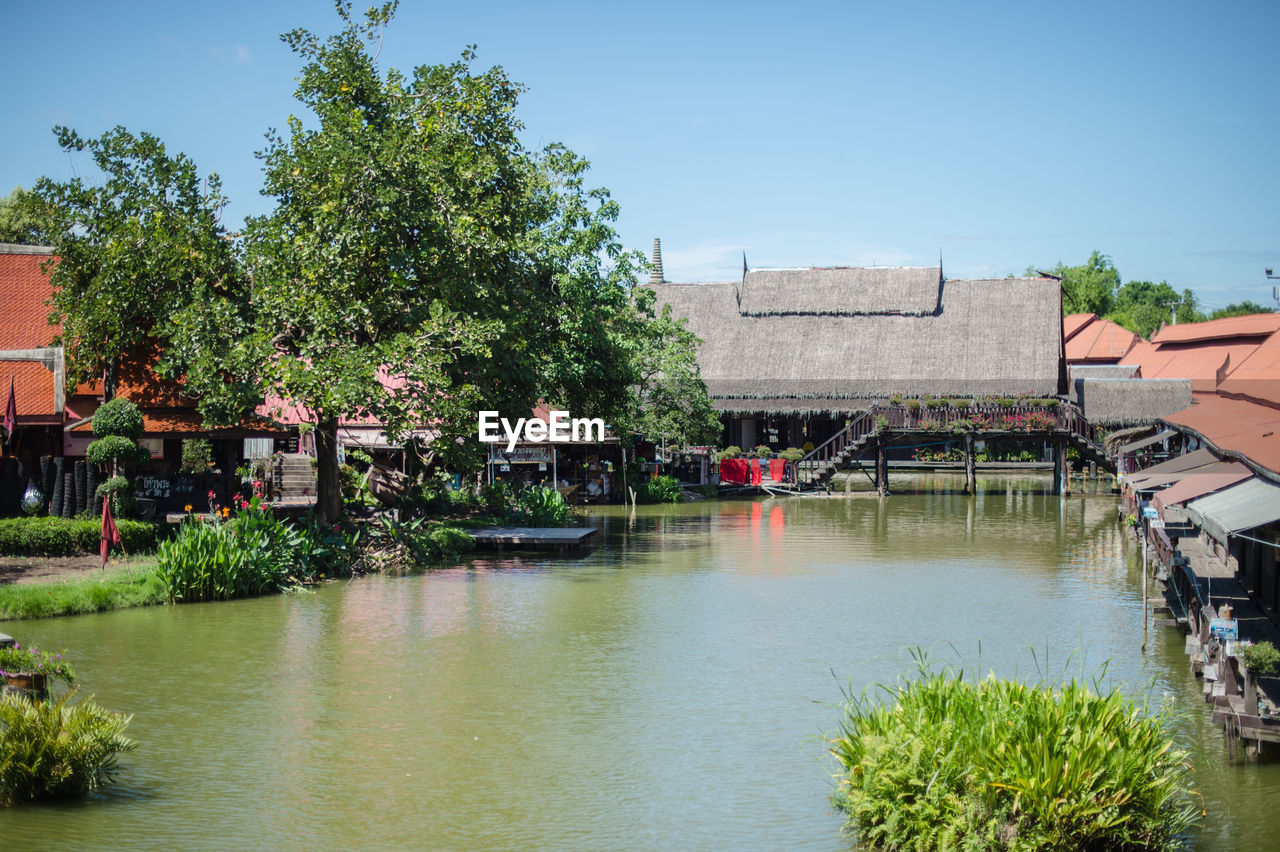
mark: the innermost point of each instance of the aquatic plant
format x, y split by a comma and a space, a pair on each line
951, 763
57, 749
660, 489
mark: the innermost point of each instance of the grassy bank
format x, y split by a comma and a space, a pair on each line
994, 764
138, 585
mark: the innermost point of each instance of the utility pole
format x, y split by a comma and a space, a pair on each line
1275, 291
1174, 307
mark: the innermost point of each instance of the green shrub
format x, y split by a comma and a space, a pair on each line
70, 536
730, 452
541, 506
961, 404
107, 449
57, 749
119, 417
19, 659
763, 452
791, 454
1002, 764
197, 454
496, 497
913, 405
1262, 659
659, 489
934, 403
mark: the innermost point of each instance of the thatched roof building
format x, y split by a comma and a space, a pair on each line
1130, 402
802, 341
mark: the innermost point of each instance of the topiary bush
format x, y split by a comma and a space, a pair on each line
120, 417
729, 452
117, 425
763, 452
791, 454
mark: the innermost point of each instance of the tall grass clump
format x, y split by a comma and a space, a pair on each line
57, 749
541, 506
955, 763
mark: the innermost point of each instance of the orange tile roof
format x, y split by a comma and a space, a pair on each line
32, 391
1072, 323
1254, 325
24, 288
1258, 376
1100, 341
1205, 364
1242, 426
179, 422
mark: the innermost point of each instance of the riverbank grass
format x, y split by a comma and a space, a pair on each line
954, 763
137, 585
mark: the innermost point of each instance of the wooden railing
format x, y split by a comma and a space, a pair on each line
978, 416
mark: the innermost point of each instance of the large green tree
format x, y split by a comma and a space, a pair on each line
1144, 307
137, 250
416, 238
21, 219
1089, 288
1240, 309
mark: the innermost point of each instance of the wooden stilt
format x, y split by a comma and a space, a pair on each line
882, 471
1059, 467
970, 467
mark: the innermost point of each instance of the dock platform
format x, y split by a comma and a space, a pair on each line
556, 538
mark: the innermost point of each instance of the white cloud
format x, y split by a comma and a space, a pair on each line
242, 53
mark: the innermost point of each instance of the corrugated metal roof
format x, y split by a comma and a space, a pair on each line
1245, 427
1246, 326
1146, 442
1241, 507
1100, 340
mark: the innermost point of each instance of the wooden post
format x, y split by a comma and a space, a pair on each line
970, 467
882, 471
1059, 467
1144, 588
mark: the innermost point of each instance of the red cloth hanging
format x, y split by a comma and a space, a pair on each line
777, 469
734, 472
756, 477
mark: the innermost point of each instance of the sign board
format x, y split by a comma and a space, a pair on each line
528, 454
1224, 628
1150, 512
1156, 524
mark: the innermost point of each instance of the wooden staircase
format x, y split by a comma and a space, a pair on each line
867, 428
293, 478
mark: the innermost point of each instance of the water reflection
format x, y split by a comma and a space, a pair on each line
664, 691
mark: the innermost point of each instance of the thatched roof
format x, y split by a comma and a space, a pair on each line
841, 291
1131, 402
1098, 371
774, 406
996, 337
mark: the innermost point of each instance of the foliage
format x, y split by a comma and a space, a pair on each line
46, 536
729, 452
22, 221
1089, 288
197, 453
659, 489
57, 749
1144, 307
1240, 309
764, 451
997, 764
923, 454
141, 252
913, 405
18, 659
496, 496
121, 589
1262, 659
117, 417
791, 454
115, 448
387, 544
540, 506
669, 400
250, 552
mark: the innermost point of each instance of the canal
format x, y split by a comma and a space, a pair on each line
669, 690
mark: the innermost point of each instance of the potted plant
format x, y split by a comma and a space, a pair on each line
30, 669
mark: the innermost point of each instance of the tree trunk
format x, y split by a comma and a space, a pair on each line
328, 485
109, 382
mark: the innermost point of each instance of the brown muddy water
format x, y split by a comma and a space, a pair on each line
669, 690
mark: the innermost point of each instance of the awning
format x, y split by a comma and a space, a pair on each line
1146, 442
1200, 482
1241, 507
373, 438
1168, 471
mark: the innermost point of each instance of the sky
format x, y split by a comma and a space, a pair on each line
997, 135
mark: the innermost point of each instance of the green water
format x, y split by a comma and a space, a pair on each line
667, 691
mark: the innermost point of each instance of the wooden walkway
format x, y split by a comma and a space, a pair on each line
557, 538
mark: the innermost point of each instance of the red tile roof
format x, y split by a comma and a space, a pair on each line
1098, 341
32, 391
1237, 425
1258, 375
1254, 325
23, 292
1072, 323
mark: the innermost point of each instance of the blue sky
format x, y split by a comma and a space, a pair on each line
1001, 134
